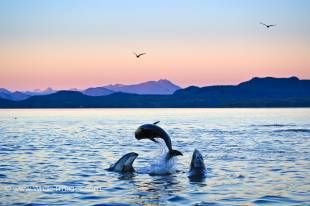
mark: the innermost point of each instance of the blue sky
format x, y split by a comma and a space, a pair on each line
147, 19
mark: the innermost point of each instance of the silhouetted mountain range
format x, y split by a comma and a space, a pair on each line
161, 87
257, 92
15, 96
97, 91
40, 92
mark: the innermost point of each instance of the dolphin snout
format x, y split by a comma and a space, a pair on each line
197, 154
131, 158
135, 154
197, 159
138, 133
197, 168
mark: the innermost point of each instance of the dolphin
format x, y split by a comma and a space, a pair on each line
124, 164
152, 131
197, 168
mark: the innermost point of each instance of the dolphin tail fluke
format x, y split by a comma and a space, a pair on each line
173, 153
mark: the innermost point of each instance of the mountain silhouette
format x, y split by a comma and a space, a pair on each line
257, 92
97, 91
161, 87
40, 92
15, 96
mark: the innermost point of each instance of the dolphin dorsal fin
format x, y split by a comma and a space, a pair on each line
156, 122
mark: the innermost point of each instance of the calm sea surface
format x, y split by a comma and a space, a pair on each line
59, 157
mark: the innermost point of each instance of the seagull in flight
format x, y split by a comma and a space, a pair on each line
140, 54
267, 25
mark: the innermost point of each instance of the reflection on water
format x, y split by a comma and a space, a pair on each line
57, 157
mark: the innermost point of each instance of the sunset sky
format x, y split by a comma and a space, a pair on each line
78, 44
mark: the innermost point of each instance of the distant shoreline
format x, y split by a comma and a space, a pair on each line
268, 92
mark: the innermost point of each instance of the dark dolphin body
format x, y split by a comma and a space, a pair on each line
152, 131
124, 164
197, 168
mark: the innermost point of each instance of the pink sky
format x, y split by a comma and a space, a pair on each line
64, 66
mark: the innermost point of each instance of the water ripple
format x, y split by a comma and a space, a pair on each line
59, 157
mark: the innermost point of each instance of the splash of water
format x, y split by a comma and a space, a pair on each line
162, 165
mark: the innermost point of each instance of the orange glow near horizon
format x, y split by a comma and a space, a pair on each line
81, 66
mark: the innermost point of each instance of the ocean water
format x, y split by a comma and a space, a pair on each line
59, 157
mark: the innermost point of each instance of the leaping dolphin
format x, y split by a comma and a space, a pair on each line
197, 167
152, 131
124, 164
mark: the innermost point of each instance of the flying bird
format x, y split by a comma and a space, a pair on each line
138, 55
267, 25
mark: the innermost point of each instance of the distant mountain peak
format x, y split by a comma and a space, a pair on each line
49, 89
274, 78
5, 91
164, 80
114, 85
97, 91
15, 96
269, 80
162, 86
